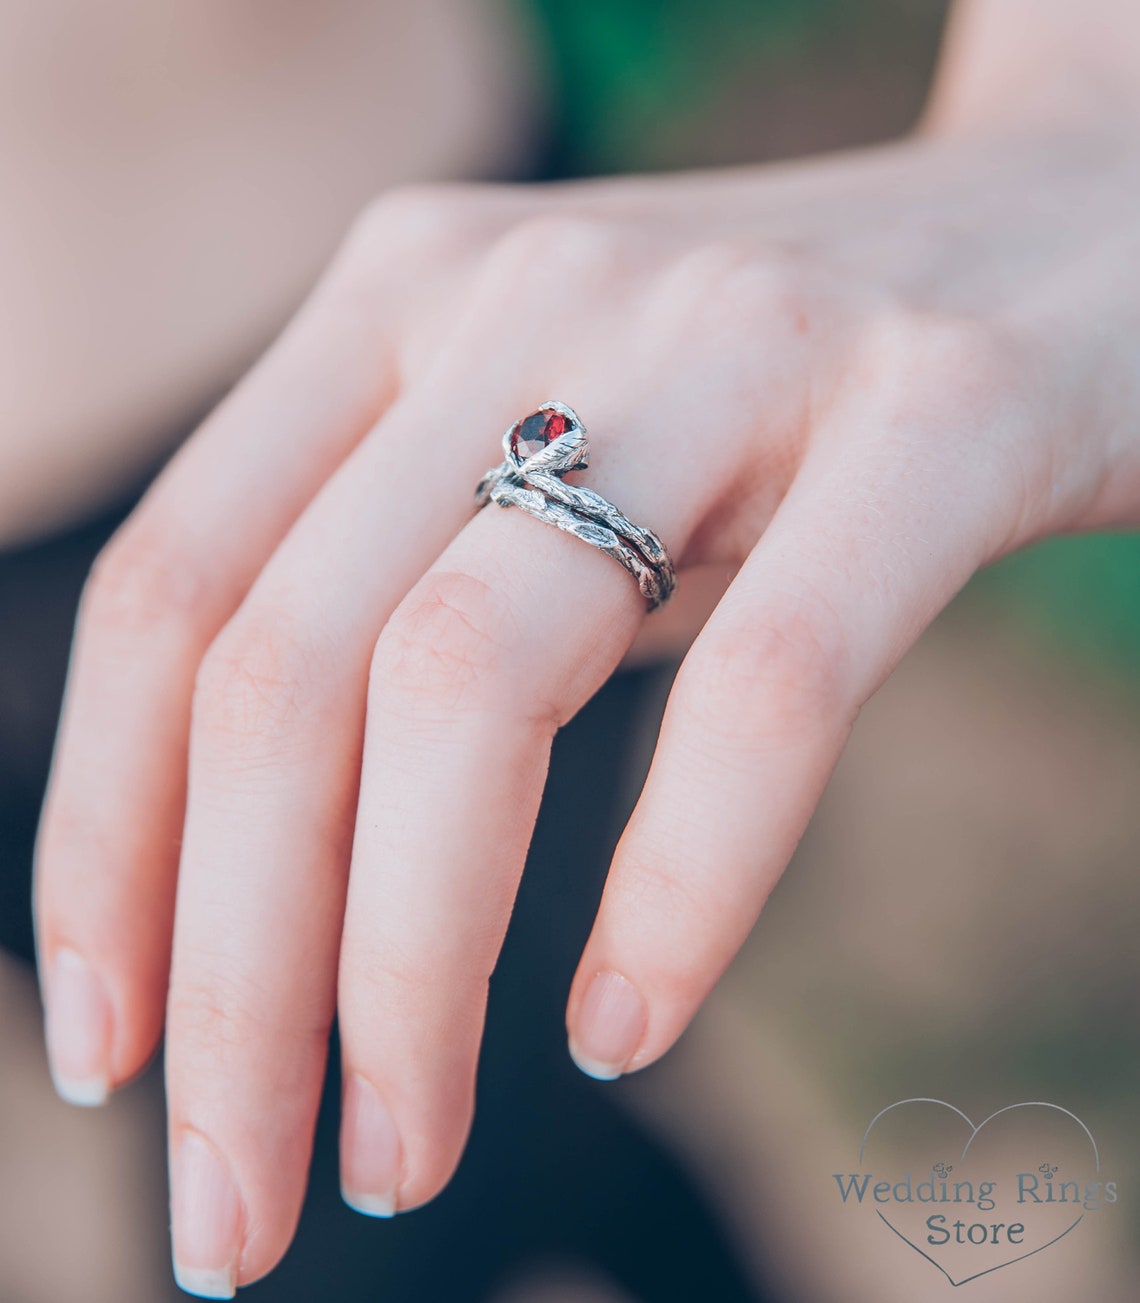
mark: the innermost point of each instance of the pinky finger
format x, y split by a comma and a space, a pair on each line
761, 708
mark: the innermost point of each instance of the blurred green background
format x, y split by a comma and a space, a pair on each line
631, 69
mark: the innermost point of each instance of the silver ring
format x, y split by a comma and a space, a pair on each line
538, 450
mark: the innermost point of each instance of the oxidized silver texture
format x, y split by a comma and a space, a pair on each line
535, 485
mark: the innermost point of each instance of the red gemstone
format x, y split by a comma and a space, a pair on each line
539, 429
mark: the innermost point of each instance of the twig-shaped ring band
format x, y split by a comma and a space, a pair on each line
539, 450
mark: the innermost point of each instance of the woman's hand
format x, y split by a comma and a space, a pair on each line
847, 384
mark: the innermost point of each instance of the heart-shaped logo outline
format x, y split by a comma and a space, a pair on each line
973, 1136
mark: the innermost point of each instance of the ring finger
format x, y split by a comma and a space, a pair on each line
504, 638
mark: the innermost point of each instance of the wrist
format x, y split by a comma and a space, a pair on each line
1015, 65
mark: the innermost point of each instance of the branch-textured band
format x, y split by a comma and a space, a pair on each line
539, 450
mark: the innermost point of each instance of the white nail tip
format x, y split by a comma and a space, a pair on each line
87, 1092
592, 1068
206, 1284
371, 1205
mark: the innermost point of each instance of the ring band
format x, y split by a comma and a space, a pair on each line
541, 448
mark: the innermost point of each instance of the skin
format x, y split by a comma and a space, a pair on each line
149, 152
304, 740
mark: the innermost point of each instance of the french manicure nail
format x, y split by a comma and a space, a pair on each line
369, 1152
78, 1030
610, 1025
206, 1220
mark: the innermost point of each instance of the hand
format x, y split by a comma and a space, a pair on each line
847, 383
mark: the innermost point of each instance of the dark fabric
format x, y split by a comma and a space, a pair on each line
39, 591
556, 1170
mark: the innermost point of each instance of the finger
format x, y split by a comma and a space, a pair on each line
849, 571
676, 624
274, 772
248, 1011
108, 844
504, 638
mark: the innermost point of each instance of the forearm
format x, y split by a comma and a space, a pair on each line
1014, 63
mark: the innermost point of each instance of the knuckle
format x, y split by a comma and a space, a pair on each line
426, 218
222, 1010
385, 977
778, 287
404, 257
950, 393
653, 886
561, 244
768, 681
390, 977
928, 352
212, 1011
256, 686
738, 285
142, 580
961, 345
443, 646
769, 271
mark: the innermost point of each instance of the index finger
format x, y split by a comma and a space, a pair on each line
107, 852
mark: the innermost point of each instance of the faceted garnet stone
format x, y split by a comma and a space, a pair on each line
539, 429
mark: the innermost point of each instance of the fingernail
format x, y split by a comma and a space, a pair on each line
369, 1151
78, 1030
610, 1025
206, 1220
